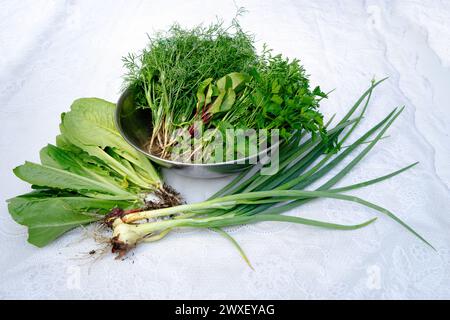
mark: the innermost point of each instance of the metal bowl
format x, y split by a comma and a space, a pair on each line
134, 124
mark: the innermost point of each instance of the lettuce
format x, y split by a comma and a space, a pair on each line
90, 126
89, 172
48, 217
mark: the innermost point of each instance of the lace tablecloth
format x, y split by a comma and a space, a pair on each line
55, 51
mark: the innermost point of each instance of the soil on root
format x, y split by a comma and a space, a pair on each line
119, 247
168, 196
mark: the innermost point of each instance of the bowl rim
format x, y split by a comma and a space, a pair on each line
241, 161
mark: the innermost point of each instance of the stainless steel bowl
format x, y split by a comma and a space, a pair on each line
134, 124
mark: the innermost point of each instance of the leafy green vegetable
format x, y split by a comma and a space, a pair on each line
48, 217
91, 171
90, 126
45, 176
84, 165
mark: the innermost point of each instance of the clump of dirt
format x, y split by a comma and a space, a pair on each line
119, 247
168, 196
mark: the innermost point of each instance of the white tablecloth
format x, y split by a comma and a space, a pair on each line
52, 52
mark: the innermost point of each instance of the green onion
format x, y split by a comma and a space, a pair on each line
252, 197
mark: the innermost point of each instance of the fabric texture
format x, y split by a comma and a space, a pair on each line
56, 51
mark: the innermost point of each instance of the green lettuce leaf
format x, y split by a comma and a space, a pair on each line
81, 164
46, 176
48, 217
90, 126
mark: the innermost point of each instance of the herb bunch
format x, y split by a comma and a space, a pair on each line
213, 76
165, 76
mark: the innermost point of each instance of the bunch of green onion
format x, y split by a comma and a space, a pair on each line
252, 197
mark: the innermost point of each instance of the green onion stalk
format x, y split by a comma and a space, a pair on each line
253, 197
